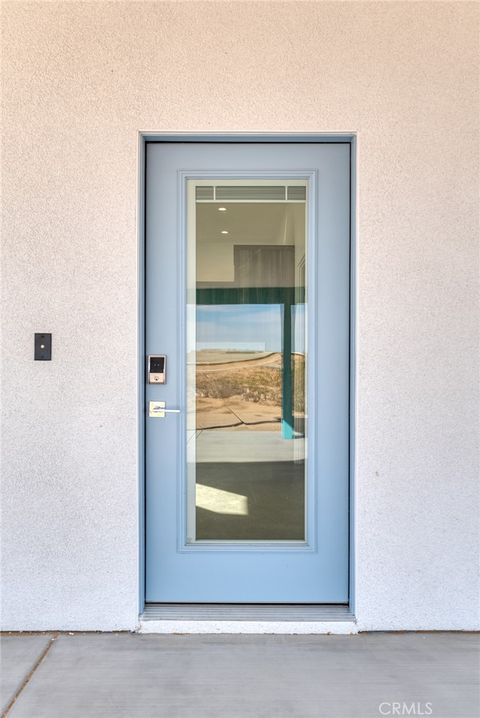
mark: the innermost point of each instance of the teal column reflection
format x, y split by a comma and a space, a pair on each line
287, 394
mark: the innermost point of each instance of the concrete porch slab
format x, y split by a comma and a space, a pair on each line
18, 656
146, 676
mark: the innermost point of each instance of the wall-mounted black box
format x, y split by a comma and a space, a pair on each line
43, 347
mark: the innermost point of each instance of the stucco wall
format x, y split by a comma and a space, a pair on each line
80, 80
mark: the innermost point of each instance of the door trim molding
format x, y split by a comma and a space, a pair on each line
225, 137
143, 138
309, 545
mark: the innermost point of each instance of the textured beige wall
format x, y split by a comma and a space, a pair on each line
79, 80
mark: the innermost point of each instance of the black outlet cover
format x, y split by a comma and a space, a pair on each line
43, 347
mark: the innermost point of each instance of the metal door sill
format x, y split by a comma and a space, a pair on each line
247, 618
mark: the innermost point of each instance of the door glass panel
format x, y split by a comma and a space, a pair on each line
246, 361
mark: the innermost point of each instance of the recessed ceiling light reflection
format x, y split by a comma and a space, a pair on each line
222, 209
224, 231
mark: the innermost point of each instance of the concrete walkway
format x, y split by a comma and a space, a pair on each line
147, 676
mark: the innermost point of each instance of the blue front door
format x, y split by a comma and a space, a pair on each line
247, 404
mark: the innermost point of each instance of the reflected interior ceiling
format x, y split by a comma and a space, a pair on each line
247, 223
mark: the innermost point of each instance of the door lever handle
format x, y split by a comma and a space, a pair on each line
157, 409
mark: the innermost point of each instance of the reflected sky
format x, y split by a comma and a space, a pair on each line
254, 327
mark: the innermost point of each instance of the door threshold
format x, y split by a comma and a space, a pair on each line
247, 618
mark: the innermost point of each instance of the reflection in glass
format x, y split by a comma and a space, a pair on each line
246, 362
